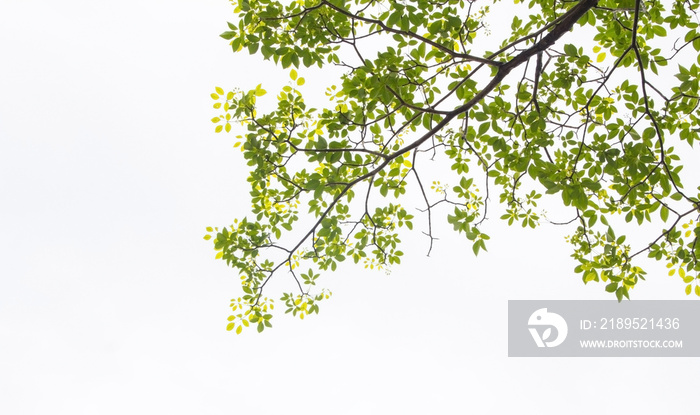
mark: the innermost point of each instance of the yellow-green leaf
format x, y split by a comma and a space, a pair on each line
219, 91
600, 57
210, 229
301, 81
228, 127
229, 95
230, 326
688, 288
207, 237
214, 96
218, 128
259, 91
215, 119
239, 329
219, 255
697, 290
293, 74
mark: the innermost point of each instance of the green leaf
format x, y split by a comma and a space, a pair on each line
649, 133
313, 184
570, 50
476, 247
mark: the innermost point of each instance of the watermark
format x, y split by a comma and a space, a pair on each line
542, 318
603, 328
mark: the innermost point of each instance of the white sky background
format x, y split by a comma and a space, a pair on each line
111, 302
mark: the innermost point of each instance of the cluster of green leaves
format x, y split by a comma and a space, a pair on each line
594, 117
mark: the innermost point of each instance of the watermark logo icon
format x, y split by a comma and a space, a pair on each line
543, 318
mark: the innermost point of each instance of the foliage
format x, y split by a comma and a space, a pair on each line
590, 101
